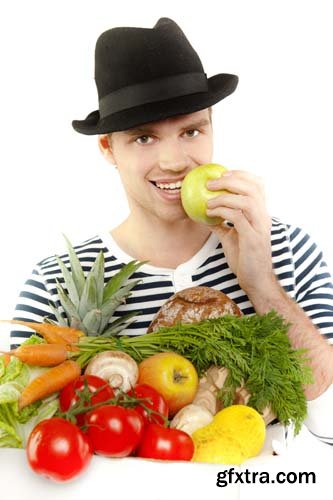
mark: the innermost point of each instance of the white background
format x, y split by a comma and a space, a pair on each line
278, 123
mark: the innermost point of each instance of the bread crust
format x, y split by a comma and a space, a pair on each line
192, 305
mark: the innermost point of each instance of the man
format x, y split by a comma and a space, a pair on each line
154, 124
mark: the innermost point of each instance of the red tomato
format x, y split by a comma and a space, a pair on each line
114, 431
68, 396
156, 403
163, 443
58, 449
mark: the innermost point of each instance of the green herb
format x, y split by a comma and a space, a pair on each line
255, 349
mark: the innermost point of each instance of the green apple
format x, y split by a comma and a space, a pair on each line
194, 193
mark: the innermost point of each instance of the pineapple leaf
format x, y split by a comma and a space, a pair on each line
88, 300
123, 319
69, 281
76, 268
49, 321
67, 304
111, 304
118, 279
76, 323
112, 332
92, 321
98, 272
61, 320
119, 324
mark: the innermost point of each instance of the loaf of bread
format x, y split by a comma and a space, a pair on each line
192, 305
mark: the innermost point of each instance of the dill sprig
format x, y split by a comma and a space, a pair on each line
255, 349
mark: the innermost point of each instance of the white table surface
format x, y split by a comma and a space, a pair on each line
133, 478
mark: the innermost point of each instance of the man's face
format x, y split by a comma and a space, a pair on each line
154, 158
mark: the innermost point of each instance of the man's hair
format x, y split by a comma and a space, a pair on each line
210, 111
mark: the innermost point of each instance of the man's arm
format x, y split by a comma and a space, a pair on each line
302, 334
247, 247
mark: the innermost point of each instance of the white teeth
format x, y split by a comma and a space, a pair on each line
175, 185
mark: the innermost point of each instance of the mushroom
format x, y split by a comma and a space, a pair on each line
117, 367
190, 418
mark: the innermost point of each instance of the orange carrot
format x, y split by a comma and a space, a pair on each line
50, 381
6, 358
53, 334
41, 354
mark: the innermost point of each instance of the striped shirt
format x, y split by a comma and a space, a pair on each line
297, 262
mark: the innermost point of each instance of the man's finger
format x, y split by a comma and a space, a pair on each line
237, 217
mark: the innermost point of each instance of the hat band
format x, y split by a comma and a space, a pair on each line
156, 90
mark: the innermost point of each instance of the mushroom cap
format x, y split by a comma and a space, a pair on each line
116, 367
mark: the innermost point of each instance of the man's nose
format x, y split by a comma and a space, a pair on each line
173, 157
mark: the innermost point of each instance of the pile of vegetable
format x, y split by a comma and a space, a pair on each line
88, 414
78, 379
256, 350
92, 420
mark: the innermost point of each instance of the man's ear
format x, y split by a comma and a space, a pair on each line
105, 148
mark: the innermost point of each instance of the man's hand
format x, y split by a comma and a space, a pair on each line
247, 246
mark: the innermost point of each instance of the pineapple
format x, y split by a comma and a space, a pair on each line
88, 304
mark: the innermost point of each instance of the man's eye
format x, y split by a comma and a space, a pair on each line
191, 132
144, 137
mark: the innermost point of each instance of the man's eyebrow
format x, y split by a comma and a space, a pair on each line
150, 130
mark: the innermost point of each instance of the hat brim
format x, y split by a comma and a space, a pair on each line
219, 87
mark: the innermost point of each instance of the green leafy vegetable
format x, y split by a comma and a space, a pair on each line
16, 425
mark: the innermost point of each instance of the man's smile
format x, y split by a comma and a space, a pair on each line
168, 191
172, 185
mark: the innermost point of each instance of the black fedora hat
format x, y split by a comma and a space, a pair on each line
144, 75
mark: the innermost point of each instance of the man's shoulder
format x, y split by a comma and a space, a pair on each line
289, 230
86, 251
284, 229
277, 223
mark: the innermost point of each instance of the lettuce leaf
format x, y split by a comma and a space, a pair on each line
8, 437
15, 424
15, 430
